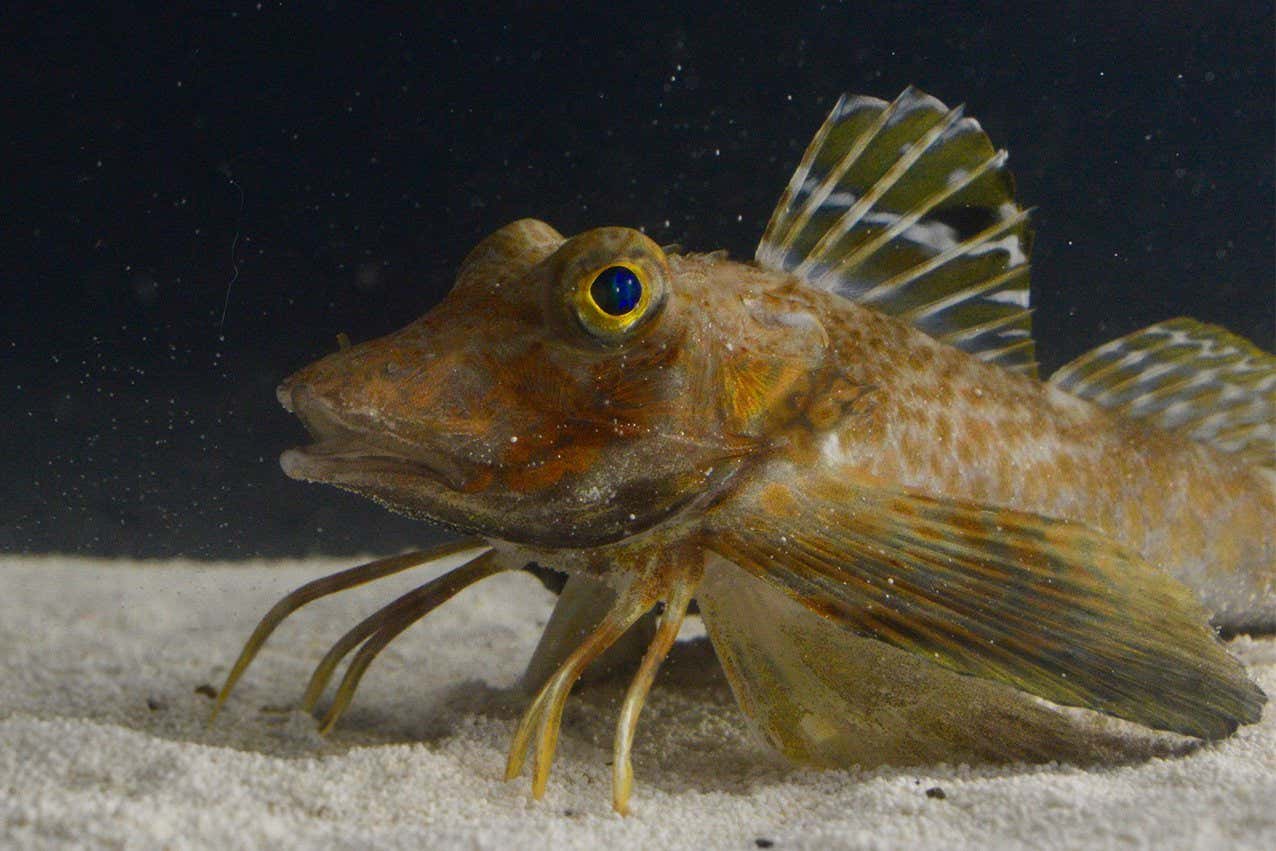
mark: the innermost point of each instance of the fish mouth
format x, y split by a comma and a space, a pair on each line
343, 453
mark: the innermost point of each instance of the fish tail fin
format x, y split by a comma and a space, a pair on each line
1194, 379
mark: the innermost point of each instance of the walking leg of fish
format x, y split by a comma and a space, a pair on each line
582, 604
543, 716
382, 626
386, 625
622, 774
672, 579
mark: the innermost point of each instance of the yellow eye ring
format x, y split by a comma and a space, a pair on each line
612, 283
611, 300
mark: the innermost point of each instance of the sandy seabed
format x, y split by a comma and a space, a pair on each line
104, 741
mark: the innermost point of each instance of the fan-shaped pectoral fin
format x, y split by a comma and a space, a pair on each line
827, 697
1043, 605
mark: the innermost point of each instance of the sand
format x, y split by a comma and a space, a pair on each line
104, 739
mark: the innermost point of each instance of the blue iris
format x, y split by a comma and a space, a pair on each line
616, 290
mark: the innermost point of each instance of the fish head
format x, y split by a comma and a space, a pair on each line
566, 393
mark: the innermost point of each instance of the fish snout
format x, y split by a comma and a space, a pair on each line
309, 389
299, 396
284, 394
315, 411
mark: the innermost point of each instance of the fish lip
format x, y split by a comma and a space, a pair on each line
343, 453
340, 462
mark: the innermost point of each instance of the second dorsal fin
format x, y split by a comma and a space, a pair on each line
906, 207
1183, 375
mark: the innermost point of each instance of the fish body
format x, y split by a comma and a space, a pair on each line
932, 419
841, 451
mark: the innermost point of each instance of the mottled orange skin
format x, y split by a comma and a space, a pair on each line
496, 414
530, 432
946, 424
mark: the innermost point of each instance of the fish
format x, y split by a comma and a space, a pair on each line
905, 545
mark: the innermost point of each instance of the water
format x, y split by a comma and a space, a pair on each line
200, 206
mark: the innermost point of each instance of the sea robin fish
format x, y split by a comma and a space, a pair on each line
840, 454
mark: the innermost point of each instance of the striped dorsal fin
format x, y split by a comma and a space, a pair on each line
907, 208
1183, 375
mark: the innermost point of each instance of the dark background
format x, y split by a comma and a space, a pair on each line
196, 202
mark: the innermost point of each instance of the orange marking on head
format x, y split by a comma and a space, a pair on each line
480, 480
546, 473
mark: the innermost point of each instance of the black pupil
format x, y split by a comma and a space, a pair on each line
616, 290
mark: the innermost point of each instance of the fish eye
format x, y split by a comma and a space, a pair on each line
613, 301
613, 282
616, 291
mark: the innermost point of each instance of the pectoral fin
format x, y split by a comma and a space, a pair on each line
1047, 606
825, 696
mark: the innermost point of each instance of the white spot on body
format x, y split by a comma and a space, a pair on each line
797, 319
831, 450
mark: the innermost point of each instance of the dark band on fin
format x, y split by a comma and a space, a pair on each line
1183, 375
908, 208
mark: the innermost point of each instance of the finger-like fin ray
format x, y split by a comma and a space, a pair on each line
622, 774
582, 604
341, 581
397, 617
543, 717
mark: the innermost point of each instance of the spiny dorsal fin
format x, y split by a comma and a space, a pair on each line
1182, 375
907, 208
